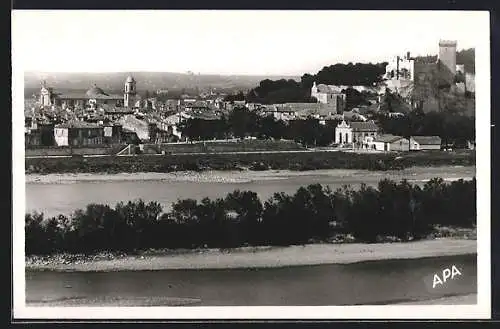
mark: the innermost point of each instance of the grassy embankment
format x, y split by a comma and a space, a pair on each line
252, 161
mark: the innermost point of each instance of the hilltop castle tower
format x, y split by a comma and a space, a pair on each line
130, 92
448, 55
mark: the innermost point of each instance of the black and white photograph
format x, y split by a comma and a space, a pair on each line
303, 164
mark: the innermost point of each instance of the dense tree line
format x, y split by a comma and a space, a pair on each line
291, 91
452, 128
359, 74
313, 213
201, 129
242, 122
280, 91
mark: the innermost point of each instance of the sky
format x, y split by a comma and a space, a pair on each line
230, 42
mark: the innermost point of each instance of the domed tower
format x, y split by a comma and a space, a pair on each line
130, 92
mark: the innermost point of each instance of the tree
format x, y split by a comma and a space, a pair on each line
268, 126
393, 103
351, 74
306, 131
184, 211
321, 209
248, 210
364, 220
200, 129
280, 91
139, 217
243, 122
354, 98
279, 225
35, 240
212, 229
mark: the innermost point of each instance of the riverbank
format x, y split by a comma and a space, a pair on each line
254, 257
293, 160
470, 299
448, 173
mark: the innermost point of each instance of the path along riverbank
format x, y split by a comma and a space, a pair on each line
445, 172
254, 257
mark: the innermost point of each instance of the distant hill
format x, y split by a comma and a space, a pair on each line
151, 81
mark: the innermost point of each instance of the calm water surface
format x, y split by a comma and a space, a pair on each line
378, 282
65, 197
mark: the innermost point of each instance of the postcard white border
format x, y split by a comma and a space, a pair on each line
480, 311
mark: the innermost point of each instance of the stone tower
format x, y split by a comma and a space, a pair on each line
130, 92
448, 55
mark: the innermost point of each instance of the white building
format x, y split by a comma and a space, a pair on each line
343, 133
387, 143
401, 68
61, 136
426, 143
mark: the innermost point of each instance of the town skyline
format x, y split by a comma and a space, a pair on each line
132, 41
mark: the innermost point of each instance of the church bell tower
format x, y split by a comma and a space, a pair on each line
130, 92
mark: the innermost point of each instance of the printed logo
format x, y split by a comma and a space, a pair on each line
447, 274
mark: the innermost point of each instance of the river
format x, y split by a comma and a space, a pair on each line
374, 282
62, 194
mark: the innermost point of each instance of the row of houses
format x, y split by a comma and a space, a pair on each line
366, 135
398, 143
75, 133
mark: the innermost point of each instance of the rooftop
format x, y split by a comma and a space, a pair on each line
364, 126
305, 108
87, 95
447, 42
388, 138
78, 125
329, 89
116, 110
95, 91
427, 140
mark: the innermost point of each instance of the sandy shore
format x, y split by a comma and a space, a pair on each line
470, 299
244, 176
261, 257
116, 301
454, 300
